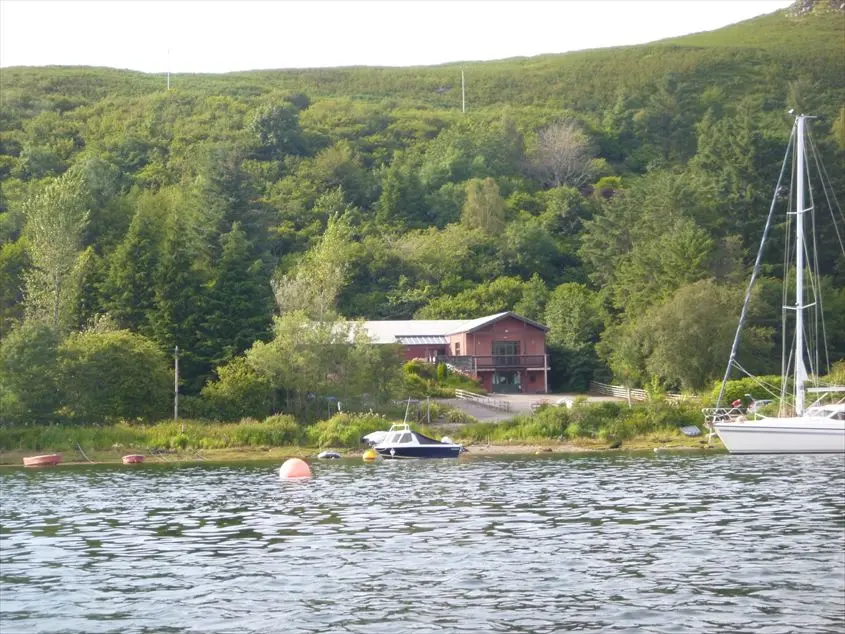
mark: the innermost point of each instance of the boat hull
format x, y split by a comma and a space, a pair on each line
787, 435
133, 459
421, 451
47, 460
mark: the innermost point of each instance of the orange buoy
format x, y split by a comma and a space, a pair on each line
294, 468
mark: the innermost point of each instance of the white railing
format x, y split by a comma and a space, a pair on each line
620, 391
484, 401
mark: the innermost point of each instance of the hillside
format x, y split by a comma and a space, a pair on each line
744, 58
601, 192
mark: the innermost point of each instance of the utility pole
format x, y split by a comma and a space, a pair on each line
176, 387
463, 93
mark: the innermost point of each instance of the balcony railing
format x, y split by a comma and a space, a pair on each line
496, 362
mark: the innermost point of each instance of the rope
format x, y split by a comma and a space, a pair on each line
83, 453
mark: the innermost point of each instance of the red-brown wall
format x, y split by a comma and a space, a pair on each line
532, 340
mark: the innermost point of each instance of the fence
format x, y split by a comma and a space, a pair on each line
621, 391
484, 401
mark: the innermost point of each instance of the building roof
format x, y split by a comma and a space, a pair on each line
412, 332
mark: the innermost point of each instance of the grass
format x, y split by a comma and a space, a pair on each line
597, 426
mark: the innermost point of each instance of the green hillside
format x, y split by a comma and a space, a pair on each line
600, 192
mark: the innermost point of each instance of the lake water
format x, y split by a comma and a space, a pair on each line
589, 543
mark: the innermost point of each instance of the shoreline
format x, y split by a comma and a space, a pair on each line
280, 454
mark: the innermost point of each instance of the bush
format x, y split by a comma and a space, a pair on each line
602, 421
345, 430
238, 392
738, 388
114, 375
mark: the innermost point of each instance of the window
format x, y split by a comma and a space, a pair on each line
505, 353
457, 348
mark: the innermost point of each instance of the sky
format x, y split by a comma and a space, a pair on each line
222, 36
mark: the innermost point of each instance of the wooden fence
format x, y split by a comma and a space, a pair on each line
621, 391
484, 401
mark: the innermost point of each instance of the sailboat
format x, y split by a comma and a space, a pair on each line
802, 425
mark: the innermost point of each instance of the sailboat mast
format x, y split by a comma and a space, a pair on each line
800, 371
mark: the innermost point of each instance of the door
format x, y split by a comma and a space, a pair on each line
507, 382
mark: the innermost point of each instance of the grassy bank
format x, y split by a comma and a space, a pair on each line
600, 426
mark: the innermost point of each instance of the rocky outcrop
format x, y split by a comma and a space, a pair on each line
805, 7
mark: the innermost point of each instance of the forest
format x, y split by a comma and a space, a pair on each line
617, 196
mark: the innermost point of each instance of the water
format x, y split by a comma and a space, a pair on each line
589, 543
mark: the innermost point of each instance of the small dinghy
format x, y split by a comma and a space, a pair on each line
329, 455
42, 461
133, 459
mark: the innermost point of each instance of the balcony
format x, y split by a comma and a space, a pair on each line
475, 364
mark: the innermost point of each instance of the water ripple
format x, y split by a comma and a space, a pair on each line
667, 543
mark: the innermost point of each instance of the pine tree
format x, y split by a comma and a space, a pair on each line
239, 302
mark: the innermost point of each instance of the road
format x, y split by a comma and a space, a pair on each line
519, 404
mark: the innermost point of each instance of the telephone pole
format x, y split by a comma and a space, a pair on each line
176, 387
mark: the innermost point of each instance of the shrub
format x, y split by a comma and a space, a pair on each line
737, 389
345, 430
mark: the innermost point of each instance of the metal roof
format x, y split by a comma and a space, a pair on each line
392, 331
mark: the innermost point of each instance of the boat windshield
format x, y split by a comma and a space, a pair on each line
399, 438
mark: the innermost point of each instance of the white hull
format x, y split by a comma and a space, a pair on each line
809, 434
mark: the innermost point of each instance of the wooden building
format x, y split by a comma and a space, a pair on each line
506, 352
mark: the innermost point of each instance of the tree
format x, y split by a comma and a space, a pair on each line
563, 155
14, 262
116, 375
308, 360
55, 220
129, 287
316, 281
239, 392
532, 305
574, 315
656, 268
575, 318
179, 301
239, 300
499, 295
29, 384
484, 208
689, 336
277, 130
838, 129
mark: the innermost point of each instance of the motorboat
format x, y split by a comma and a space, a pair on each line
46, 460
800, 426
402, 442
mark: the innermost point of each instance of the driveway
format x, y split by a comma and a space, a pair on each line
519, 404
